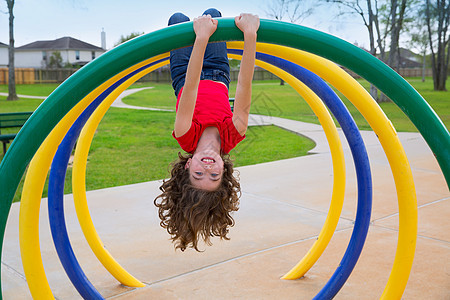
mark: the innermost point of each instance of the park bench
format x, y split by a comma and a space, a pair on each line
11, 120
231, 103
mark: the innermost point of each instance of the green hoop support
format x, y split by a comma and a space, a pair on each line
67, 95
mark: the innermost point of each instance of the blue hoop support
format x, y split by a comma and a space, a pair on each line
56, 194
362, 166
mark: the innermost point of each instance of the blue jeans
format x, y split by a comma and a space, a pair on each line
215, 61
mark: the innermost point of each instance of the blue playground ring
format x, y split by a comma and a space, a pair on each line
59, 167
56, 194
360, 159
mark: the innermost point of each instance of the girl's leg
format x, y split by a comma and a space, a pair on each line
179, 58
215, 63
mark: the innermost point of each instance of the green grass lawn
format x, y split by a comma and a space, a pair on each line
31, 89
283, 101
270, 98
133, 146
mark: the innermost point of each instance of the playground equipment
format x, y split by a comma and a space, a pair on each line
86, 96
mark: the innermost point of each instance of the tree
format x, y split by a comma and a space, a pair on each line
438, 17
397, 13
55, 60
125, 38
393, 25
294, 10
12, 95
370, 17
420, 41
384, 21
418, 34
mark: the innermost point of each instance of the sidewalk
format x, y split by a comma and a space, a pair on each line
283, 207
25, 96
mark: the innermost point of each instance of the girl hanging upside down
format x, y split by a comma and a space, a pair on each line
197, 201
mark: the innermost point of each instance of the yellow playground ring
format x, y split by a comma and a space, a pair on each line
337, 199
394, 151
312, 99
35, 179
32, 192
79, 176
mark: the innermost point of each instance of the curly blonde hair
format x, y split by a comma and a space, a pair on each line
189, 213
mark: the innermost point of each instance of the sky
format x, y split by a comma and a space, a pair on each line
85, 19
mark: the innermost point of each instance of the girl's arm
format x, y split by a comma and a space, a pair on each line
248, 24
204, 27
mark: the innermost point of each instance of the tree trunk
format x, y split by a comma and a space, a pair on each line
12, 95
384, 98
392, 60
373, 50
439, 61
424, 64
374, 92
397, 16
394, 42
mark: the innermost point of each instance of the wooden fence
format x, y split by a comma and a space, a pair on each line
23, 76
163, 75
31, 76
404, 72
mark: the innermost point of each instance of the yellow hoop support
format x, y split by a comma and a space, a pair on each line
79, 179
31, 200
337, 154
32, 192
394, 151
35, 179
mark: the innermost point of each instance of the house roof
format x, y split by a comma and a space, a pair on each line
406, 53
64, 43
409, 63
408, 59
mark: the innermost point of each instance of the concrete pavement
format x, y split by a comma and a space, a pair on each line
283, 207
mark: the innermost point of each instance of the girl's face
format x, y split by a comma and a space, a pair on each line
205, 170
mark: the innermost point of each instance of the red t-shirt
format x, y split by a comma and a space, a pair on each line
212, 108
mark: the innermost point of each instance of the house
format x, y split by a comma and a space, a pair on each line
71, 50
3, 55
409, 59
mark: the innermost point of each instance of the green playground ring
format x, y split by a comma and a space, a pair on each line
69, 93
